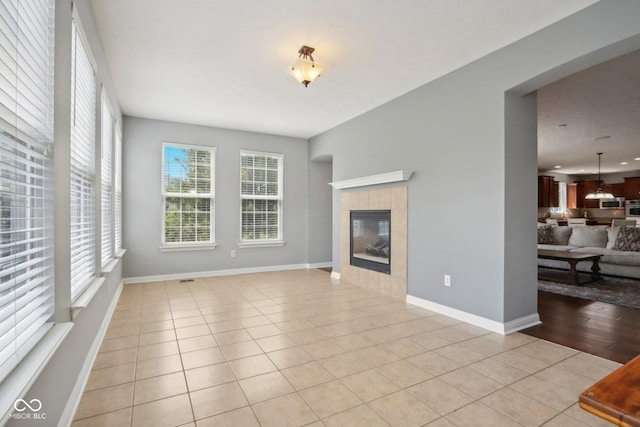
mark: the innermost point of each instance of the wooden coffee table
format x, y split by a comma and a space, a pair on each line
616, 397
573, 258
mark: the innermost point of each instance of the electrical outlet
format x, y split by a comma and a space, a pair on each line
447, 280
233, 253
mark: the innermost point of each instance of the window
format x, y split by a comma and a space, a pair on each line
117, 185
83, 111
261, 194
188, 195
106, 180
26, 177
562, 199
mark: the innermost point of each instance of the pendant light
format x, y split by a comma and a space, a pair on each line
305, 69
599, 193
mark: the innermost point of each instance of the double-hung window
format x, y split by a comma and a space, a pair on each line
188, 195
26, 177
117, 187
106, 180
261, 198
83, 112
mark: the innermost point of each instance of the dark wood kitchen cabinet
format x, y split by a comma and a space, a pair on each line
582, 189
632, 188
547, 192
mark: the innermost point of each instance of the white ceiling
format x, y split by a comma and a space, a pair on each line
595, 103
223, 62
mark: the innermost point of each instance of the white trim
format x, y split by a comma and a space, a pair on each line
382, 178
320, 265
66, 418
230, 272
121, 253
108, 269
185, 247
25, 374
86, 296
260, 243
521, 323
483, 322
335, 275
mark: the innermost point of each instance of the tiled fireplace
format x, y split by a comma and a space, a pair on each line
369, 208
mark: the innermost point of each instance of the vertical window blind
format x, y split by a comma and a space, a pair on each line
117, 185
106, 180
188, 195
261, 194
83, 105
26, 177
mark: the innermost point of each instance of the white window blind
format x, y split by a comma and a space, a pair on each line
117, 185
188, 191
106, 180
83, 105
261, 194
26, 177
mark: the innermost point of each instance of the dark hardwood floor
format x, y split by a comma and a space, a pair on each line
605, 330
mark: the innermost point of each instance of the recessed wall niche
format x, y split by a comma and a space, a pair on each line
394, 199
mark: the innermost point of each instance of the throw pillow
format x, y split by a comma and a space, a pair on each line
592, 236
545, 235
628, 239
561, 235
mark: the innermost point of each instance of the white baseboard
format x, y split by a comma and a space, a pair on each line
320, 265
335, 275
66, 418
229, 272
483, 322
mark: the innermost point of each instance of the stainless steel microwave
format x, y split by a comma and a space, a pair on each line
633, 208
615, 203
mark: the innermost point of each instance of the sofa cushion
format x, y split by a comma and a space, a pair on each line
561, 235
593, 236
612, 256
545, 235
628, 239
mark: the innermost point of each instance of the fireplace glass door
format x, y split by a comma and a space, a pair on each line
371, 240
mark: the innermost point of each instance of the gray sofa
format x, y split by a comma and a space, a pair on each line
593, 240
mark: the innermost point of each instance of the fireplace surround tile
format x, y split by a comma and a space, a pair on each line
395, 199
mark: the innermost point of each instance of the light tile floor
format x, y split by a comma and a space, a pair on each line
298, 348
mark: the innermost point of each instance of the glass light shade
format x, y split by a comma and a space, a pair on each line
599, 194
305, 71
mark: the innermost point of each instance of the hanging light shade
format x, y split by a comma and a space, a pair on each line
305, 70
599, 193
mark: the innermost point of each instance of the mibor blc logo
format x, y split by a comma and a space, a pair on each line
28, 410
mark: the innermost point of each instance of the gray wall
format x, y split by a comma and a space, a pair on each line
143, 202
320, 211
452, 133
55, 383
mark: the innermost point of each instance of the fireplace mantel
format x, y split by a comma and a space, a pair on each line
382, 178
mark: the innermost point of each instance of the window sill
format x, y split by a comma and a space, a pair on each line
108, 269
121, 253
208, 247
261, 244
85, 297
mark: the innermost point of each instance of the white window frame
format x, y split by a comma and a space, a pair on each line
262, 242
106, 179
211, 243
27, 288
117, 190
83, 162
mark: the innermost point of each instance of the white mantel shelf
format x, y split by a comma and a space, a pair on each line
382, 178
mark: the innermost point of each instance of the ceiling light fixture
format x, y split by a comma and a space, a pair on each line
305, 70
599, 193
